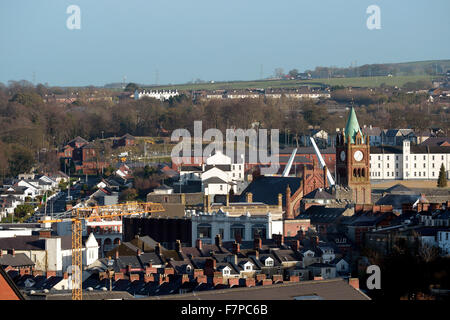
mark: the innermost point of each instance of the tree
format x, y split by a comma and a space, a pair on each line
131, 87
21, 161
23, 209
442, 180
293, 73
279, 73
128, 195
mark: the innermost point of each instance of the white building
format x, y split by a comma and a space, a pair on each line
217, 176
443, 241
408, 162
156, 94
206, 226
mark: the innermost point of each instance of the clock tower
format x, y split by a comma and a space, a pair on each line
352, 160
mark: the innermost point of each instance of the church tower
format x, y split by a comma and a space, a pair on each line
352, 160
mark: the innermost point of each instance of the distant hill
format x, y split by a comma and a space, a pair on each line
415, 68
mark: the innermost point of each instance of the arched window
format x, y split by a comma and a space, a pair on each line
237, 230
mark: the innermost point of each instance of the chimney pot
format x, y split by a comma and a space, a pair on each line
198, 244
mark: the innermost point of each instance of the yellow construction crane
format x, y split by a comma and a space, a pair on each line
92, 213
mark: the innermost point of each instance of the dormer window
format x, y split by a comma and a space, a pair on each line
226, 272
269, 262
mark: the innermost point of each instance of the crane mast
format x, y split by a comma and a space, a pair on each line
97, 212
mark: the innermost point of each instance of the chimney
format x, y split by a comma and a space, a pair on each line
288, 214
296, 245
354, 282
279, 239
201, 279
149, 278
250, 282
184, 278
65, 275
158, 249
117, 254
249, 197
138, 252
178, 246
45, 233
325, 181
51, 274
198, 244
280, 201
257, 244
210, 264
12, 252
1, 253
218, 240
227, 203
236, 248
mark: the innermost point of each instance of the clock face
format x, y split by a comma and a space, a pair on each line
358, 155
342, 155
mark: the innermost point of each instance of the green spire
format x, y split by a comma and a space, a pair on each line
352, 127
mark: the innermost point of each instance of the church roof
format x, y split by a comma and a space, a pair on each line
352, 127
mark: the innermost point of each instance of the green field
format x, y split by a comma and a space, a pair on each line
264, 84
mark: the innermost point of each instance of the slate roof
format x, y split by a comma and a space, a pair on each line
265, 189
330, 289
223, 167
18, 260
32, 243
397, 200
386, 149
214, 180
398, 188
319, 193
321, 214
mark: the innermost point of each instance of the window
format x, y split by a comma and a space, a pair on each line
221, 187
415, 158
387, 157
237, 230
259, 231
204, 230
387, 165
424, 165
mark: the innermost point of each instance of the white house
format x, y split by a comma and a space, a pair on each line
408, 162
156, 94
206, 226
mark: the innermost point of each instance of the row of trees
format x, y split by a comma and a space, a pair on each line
28, 124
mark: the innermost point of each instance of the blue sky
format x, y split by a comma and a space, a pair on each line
210, 39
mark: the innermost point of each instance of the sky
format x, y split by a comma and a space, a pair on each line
176, 41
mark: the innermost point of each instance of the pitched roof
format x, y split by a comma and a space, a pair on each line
265, 189
352, 127
319, 193
18, 260
10, 290
321, 214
